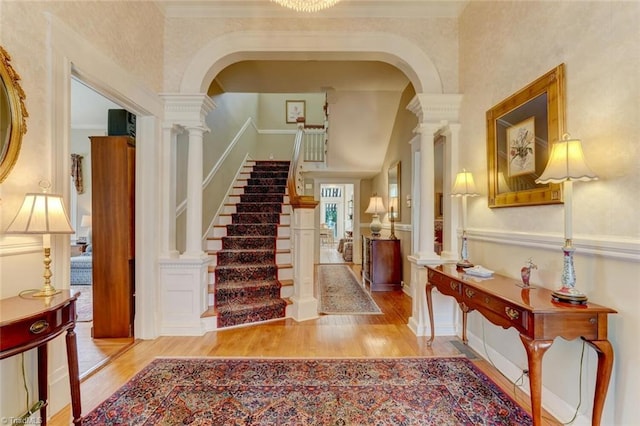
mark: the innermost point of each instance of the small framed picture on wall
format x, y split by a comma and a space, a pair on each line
294, 110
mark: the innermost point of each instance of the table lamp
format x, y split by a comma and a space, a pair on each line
376, 206
464, 187
42, 213
567, 164
393, 215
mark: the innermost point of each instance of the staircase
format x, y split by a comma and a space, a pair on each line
250, 246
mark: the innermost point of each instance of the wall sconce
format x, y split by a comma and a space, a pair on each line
566, 164
42, 214
464, 187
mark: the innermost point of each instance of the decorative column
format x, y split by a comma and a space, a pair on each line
184, 279
305, 305
434, 113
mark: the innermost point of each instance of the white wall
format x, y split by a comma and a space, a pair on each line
499, 54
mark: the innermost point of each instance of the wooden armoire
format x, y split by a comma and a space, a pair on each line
113, 223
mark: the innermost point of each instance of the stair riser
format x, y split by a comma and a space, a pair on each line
238, 218
261, 198
284, 274
265, 189
259, 208
252, 229
268, 181
247, 243
265, 314
253, 273
246, 296
248, 256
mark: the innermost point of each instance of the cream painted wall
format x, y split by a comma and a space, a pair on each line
501, 53
24, 34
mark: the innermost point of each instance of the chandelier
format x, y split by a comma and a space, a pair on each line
306, 5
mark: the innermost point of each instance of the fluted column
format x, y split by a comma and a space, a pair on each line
194, 193
168, 189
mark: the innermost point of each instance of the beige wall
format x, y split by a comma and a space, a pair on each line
598, 42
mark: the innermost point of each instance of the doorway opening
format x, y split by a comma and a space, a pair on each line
89, 112
336, 223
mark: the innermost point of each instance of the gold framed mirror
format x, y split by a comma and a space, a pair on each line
394, 191
13, 115
520, 132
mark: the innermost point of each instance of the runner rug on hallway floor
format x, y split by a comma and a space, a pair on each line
392, 391
340, 292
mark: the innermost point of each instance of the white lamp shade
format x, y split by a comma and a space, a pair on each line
85, 222
464, 185
41, 213
306, 5
566, 162
376, 205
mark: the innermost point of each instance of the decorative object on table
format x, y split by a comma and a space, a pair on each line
567, 164
479, 271
393, 203
464, 187
376, 206
85, 222
42, 213
306, 5
347, 391
295, 110
520, 130
525, 271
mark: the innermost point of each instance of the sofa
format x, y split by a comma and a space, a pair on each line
82, 268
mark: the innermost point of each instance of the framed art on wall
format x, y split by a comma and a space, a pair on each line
520, 132
294, 110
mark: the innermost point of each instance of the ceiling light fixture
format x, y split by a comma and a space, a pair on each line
306, 5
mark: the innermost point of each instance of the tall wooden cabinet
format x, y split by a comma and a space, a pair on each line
113, 223
381, 263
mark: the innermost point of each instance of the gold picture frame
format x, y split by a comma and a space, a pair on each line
520, 132
295, 110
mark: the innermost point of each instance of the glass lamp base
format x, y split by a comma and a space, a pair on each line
464, 264
569, 295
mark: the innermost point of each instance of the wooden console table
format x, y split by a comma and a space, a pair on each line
27, 322
504, 302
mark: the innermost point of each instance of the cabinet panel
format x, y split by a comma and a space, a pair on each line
113, 200
382, 264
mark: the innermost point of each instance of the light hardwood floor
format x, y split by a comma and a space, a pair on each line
330, 336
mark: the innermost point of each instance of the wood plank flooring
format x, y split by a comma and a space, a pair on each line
330, 336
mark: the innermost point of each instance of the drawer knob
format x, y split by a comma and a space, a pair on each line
430, 274
39, 326
512, 313
453, 285
592, 320
469, 292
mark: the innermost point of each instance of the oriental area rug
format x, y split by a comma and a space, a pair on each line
391, 391
340, 292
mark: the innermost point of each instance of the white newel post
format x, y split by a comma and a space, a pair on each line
434, 113
305, 305
184, 279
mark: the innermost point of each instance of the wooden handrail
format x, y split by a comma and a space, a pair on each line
298, 200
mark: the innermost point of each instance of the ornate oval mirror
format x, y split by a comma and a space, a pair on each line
13, 115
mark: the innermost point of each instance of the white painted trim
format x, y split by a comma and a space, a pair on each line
233, 47
608, 246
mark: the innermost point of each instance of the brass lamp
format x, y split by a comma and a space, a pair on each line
376, 206
567, 164
393, 215
464, 187
42, 213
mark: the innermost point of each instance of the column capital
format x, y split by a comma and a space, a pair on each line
429, 107
187, 109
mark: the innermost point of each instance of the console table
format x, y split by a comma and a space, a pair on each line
530, 310
27, 322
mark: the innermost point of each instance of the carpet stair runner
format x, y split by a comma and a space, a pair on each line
246, 285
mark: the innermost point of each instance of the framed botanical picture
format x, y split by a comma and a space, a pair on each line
294, 110
520, 132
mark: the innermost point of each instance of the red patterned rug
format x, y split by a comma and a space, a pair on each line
396, 391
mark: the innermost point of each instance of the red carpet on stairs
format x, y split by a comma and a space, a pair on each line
247, 289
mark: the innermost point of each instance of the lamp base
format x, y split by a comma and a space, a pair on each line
46, 292
569, 295
464, 263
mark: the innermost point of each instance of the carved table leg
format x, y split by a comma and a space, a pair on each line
430, 309
74, 376
605, 364
465, 309
535, 351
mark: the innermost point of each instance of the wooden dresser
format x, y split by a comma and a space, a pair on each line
381, 263
539, 320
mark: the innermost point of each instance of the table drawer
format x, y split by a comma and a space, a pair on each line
35, 329
495, 309
444, 284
